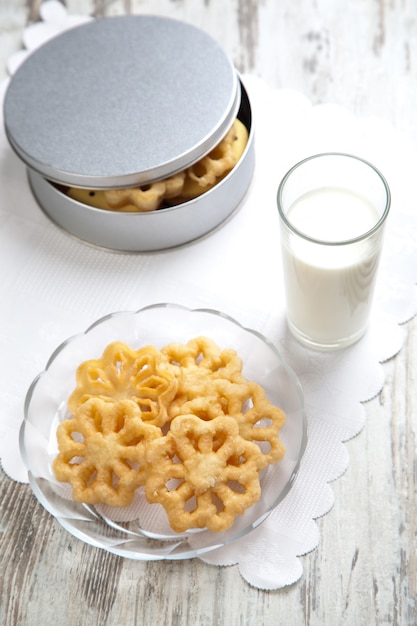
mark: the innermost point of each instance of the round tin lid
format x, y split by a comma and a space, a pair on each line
121, 101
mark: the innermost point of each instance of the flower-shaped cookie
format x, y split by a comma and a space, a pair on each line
207, 172
205, 354
147, 197
203, 473
102, 451
197, 361
258, 419
143, 375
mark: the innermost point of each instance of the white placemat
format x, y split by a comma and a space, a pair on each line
53, 286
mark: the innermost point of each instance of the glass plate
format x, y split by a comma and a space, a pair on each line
141, 531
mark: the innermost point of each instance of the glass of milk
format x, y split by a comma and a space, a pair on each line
332, 210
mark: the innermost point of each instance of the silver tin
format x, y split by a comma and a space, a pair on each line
120, 102
154, 230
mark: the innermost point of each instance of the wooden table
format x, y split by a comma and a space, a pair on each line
363, 55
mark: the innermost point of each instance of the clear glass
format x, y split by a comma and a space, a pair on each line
141, 531
332, 209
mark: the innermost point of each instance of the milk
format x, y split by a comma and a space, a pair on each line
329, 287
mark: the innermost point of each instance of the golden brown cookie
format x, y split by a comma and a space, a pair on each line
147, 197
95, 198
102, 451
203, 473
210, 170
121, 373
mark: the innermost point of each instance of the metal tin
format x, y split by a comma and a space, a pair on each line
125, 101
154, 230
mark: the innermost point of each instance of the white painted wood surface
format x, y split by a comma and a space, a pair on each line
363, 55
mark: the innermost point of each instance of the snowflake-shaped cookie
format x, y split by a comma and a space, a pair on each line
203, 473
143, 376
102, 451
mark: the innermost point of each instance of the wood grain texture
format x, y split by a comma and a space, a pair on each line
363, 55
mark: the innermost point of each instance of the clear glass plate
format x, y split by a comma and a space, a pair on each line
141, 531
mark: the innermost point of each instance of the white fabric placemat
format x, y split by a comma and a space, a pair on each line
53, 286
